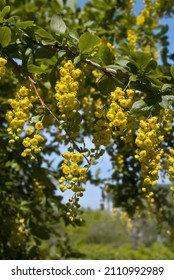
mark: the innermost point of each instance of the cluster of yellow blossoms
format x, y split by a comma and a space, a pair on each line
32, 144
66, 89
167, 118
141, 18
149, 152
120, 103
170, 164
114, 121
131, 38
18, 118
73, 174
3, 62
102, 134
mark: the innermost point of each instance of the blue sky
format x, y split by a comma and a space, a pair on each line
92, 196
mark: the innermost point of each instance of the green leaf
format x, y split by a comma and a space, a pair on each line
139, 108
34, 69
53, 76
5, 10
166, 101
172, 71
151, 65
105, 55
77, 59
166, 87
57, 24
142, 59
88, 41
121, 65
24, 24
74, 35
5, 36
125, 47
106, 85
45, 36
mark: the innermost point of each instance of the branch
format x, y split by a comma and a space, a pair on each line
98, 66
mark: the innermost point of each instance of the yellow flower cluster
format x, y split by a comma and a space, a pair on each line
114, 121
167, 118
66, 89
3, 62
102, 134
18, 116
144, 15
131, 38
118, 113
73, 174
170, 164
97, 74
149, 153
32, 144
140, 19
119, 162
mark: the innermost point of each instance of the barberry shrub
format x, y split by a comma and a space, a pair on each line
75, 85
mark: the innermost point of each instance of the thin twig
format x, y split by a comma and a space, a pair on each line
98, 66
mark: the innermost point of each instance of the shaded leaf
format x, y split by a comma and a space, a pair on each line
139, 108
46, 37
125, 47
105, 55
166, 87
5, 10
74, 35
106, 85
5, 36
166, 101
24, 24
142, 59
151, 65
